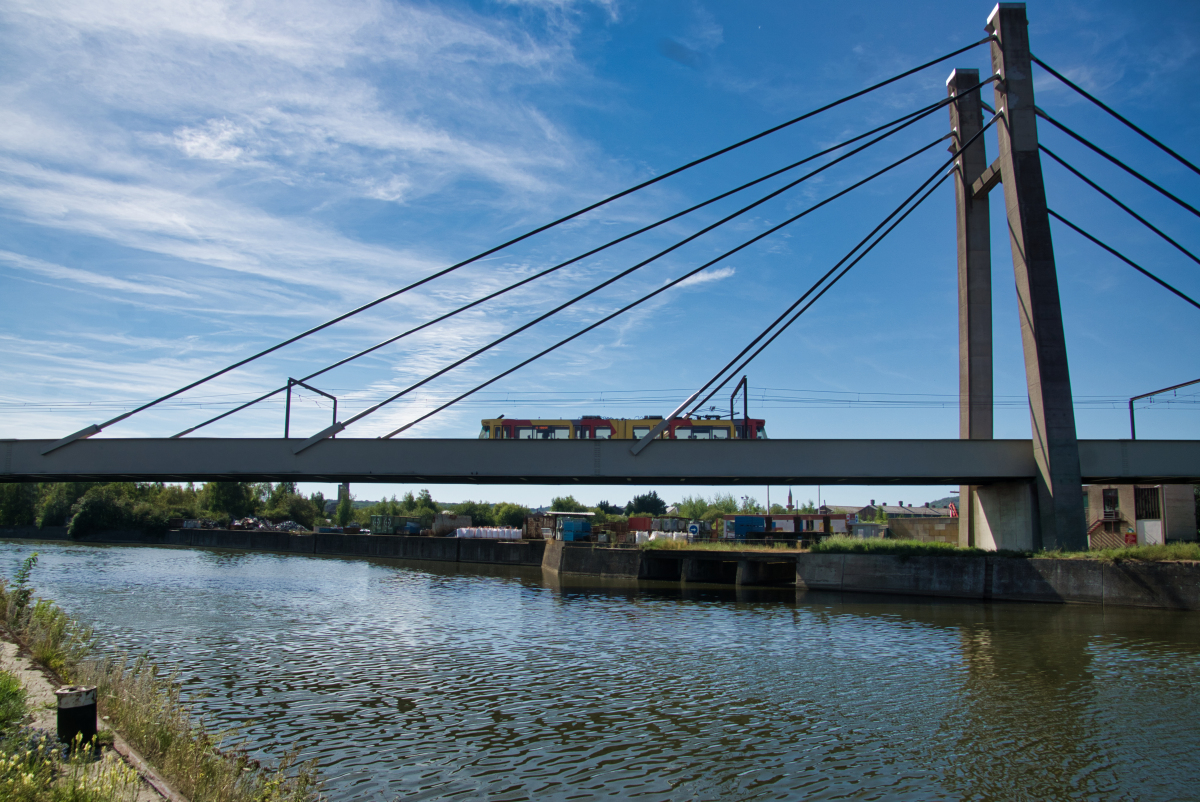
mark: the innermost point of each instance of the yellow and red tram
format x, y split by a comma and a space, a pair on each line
595, 427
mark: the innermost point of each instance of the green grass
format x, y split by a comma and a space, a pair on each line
146, 708
12, 701
1169, 552
844, 544
33, 769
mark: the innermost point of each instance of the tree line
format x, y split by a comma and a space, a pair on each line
85, 507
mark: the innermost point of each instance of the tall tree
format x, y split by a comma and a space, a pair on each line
647, 504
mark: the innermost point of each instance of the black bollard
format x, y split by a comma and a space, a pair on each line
76, 713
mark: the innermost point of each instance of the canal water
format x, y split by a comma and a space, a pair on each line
432, 681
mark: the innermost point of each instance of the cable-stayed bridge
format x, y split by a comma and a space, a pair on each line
1031, 487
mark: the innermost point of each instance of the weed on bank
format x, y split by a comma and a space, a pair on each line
142, 704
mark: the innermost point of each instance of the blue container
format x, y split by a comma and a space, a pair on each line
746, 525
576, 530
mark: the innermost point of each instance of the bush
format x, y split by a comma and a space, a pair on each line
509, 514
480, 511
236, 499
18, 504
107, 507
567, 504
54, 507
646, 504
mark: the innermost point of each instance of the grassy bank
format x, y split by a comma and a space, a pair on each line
34, 769
842, 544
146, 708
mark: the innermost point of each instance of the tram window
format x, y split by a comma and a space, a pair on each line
525, 433
702, 434
762, 432
720, 434
684, 433
581, 433
486, 433
554, 432
640, 431
602, 433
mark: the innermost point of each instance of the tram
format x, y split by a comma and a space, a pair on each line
595, 427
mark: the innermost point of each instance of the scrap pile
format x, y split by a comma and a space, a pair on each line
263, 525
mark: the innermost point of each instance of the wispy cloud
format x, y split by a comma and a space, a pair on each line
88, 277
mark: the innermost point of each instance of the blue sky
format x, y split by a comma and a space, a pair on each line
183, 185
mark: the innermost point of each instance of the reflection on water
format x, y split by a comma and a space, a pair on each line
427, 681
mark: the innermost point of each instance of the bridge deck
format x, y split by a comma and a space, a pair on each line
703, 462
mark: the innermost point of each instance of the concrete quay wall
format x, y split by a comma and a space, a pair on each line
1172, 585
1168, 585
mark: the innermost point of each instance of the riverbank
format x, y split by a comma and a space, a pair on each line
152, 726
146, 784
964, 574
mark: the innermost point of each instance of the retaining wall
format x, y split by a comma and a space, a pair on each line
585, 560
1174, 585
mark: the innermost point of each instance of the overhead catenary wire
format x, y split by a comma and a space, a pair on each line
1120, 256
1079, 138
339, 427
644, 298
95, 428
824, 289
918, 115
1099, 103
1110, 196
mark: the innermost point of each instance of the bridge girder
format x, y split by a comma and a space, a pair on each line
557, 462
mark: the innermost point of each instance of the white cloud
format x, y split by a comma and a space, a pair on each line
88, 277
707, 276
215, 140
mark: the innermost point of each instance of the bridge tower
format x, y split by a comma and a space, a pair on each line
1050, 514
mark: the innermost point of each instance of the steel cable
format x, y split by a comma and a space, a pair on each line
818, 283
648, 296
817, 297
1109, 195
1080, 90
99, 427
622, 274
918, 114
1117, 162
1120, 256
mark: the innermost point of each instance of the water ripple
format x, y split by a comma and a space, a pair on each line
420, 681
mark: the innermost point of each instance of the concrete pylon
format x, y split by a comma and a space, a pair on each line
975, 395
1059, 508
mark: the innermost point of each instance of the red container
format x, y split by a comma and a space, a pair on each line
639, 523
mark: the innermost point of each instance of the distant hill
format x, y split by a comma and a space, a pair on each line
944, 502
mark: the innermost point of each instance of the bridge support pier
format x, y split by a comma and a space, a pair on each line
1004, 516
975, 394
1060, 522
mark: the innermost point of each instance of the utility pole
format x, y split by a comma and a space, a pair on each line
975, 394
1059, 511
